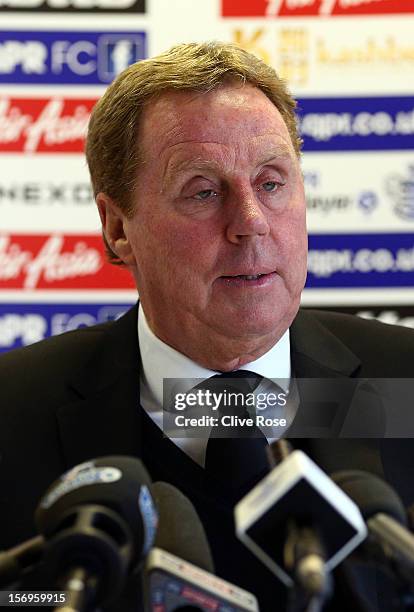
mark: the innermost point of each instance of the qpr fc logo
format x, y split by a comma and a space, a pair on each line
401, 190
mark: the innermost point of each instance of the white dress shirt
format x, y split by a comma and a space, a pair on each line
159, 361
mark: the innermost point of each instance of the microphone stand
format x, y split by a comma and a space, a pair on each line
15, 561
313, 584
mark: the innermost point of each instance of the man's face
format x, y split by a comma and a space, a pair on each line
218, 237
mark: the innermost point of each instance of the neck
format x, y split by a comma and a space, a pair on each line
220, 352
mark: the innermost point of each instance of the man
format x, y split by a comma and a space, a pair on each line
194, 160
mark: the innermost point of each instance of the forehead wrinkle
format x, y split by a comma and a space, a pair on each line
196, 163
275, 151
174, 167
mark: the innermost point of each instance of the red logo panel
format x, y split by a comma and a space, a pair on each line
55, 261
44, 125
313, 8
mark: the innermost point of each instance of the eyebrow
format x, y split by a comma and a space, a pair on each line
197, 163
281, 153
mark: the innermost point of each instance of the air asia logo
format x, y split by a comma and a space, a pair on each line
58, 6
401, 190
88, 58
311, 8
57, 262
51, 125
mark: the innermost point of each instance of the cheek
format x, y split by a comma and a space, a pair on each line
292, 241
175, 254
291, 233
189, 245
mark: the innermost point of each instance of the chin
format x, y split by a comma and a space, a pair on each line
253, 324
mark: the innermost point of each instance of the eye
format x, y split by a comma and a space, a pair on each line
271, 186
205, 194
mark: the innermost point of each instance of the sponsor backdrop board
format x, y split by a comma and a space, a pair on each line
39, 57
392, 314
49, 193
54, 124
23, 324
349, 193
73, 6
355, 111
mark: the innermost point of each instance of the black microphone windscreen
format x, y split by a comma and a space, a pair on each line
119, 483
371, 494
180, 531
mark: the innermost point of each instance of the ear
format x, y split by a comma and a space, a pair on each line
113, 221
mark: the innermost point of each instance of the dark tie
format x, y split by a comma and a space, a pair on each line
236, 456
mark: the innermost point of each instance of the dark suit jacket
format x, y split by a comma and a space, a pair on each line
74, 397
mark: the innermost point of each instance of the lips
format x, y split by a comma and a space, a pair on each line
255, 276
245, 276
260, 279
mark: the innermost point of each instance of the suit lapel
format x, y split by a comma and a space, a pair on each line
318, 354
105, 419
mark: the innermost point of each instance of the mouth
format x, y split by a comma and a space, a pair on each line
246, 276
246, 280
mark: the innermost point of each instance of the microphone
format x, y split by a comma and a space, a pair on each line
389, 541
300, 524
179, 569
180, 530
99, 522
16, 560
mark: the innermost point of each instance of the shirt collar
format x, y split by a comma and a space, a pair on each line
159, 361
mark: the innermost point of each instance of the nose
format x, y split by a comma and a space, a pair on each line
246, 217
